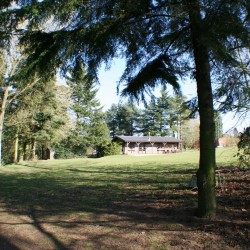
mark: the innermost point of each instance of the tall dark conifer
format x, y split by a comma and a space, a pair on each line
155, 118
121, 119
90, 128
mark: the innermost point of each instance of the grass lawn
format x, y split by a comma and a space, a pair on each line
120, 202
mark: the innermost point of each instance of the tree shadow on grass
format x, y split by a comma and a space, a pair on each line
5, 244
130, 198
57, 243
141, 200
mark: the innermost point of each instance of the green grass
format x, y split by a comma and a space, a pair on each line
139, 189
92, 184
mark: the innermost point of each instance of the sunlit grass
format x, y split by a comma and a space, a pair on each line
186, 159
114, 172
226, 157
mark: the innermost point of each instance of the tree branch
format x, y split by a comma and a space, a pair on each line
16, 94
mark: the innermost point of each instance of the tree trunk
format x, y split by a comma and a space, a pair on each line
33, 150
43, 153
16, 148
26, 151
206, 172
21, 155
2, 113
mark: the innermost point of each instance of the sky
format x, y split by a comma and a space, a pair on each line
109, 79
107, 94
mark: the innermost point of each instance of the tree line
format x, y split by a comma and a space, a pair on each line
69, 121
161, 116
47, 118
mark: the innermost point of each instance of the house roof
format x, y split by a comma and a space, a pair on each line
146, 138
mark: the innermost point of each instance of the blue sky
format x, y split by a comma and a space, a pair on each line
107, 94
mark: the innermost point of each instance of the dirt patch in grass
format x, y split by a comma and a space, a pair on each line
128, 211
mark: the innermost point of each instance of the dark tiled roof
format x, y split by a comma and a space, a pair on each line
146, 138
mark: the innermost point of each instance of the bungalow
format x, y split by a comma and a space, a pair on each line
148, 144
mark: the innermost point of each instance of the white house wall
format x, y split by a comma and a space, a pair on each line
150, 148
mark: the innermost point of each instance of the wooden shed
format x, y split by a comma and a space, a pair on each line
149, 144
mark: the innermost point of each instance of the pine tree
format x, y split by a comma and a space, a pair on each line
122, 118
112, 121
179, 113
90, 128
218, 125
36, 120
155, 116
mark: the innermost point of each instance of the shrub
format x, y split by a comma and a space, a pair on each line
112, 148
62, 152
244, 148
